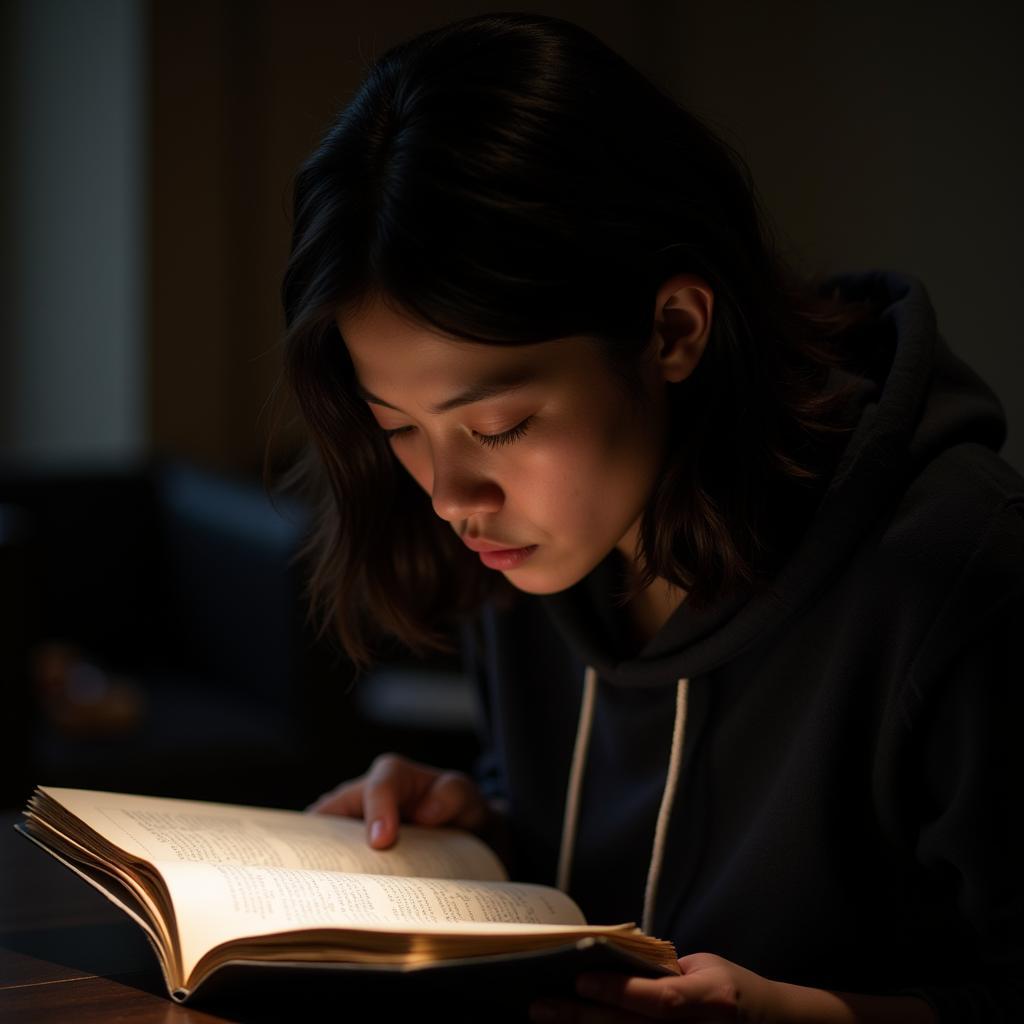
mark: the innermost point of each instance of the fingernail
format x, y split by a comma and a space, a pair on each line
377, 831
542, 1012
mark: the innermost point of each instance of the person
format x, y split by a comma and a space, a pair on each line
730, 551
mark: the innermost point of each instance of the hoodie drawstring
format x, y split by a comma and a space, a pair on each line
675, 758
572, 796
575, 786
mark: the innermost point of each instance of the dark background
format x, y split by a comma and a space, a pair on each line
147, 151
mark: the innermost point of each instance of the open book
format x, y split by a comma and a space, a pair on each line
216, 884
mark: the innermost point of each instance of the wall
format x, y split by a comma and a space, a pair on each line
883, 136
72, 354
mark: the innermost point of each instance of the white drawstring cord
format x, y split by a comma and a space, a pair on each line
572, 796
575, 786
675, 757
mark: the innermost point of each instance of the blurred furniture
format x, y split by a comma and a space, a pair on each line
179, 585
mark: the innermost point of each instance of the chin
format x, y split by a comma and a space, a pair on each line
536, 581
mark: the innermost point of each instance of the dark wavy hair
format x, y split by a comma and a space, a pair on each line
508, 180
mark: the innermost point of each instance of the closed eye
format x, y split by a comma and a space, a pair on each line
488, 440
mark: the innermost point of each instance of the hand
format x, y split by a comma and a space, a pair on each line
712, 988
395, 786
709, 989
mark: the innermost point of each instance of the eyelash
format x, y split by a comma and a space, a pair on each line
488, 440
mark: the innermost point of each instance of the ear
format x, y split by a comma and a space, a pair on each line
682, 323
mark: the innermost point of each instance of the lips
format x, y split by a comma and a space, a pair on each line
479, 544
509, 558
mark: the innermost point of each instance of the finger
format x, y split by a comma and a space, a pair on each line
391, 783
700, 962
452, 798
346, 799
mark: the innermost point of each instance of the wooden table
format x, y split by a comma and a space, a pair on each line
67, 954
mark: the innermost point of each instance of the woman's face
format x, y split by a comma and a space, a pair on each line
534, 446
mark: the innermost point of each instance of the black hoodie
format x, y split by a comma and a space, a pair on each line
843, 810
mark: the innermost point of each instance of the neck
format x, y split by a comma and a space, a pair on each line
652, 608
646, 613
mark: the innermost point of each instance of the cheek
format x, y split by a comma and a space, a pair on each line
564, 484
598, 480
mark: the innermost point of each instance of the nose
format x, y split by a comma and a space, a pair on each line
458, 491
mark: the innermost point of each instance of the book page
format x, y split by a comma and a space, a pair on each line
164, 830
216, 903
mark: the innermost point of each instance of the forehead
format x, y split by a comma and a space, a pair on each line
391, 352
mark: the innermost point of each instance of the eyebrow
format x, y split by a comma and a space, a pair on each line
474, 393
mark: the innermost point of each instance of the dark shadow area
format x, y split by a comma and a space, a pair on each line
156, 641
101, 949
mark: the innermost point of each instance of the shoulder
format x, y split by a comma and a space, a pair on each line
941, 565
961, 519
969, 478
951, 560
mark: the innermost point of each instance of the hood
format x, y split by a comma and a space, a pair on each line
921, 402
